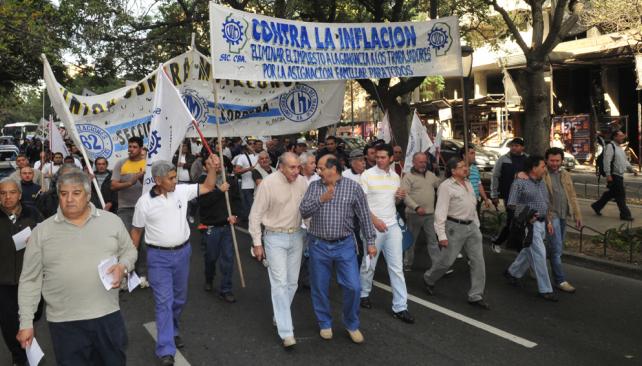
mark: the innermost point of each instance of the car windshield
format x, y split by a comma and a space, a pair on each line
8, 155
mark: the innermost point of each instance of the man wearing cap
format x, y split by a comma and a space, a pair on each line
162, 213
357, 166
504, 174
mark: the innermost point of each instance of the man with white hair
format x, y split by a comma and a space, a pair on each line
276, 206
263, 168
308, 167
61, 262
162, 213
14, 217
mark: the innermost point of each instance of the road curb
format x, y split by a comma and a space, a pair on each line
599, 264
604, 265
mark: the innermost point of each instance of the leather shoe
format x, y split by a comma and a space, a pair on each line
178, 342
549, 296
167, 360
228, 297
365, 303
511, 279
597, 212
430, 289
404, 316
480, 304
566, 287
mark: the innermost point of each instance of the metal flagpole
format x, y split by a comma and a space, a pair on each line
217, 115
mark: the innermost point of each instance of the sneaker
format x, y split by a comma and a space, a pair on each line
365, 303
460, 256
566, 287
597, 212
496, 248
326, 333
190, 219
178, 342
167, 360
228, 297
143, 282
289, 342
549, 296
356, 336
404, 316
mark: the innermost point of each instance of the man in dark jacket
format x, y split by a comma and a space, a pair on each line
504, 174
217, 233
332, 147
47, 203
103, 177
14, 218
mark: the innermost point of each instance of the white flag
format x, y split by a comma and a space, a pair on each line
385, 133
418, 141
56, 142
434, 149
170, 121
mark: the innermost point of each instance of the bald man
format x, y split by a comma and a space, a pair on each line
276, 206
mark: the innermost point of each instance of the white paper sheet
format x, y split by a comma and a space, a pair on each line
132, 281
106, 278
34, 353
20, 239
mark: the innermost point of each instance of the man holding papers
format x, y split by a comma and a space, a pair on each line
61, 262
16, 222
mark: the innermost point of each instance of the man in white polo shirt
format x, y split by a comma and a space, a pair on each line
162, 213
382, 187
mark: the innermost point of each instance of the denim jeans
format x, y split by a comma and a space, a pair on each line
556, 245
462, 237
534, 256
388, 243
343, 256
426, 223
168, 277
247, 199
283, 252
218, 248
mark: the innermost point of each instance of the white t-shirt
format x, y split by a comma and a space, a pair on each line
350, 175
165, 218
380, 188
246, 178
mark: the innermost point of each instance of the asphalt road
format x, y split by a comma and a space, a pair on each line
599, 325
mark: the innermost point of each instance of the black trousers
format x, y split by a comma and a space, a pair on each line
617, 192
10, 323
93, 342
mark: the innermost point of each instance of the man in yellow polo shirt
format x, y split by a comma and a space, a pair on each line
127, 180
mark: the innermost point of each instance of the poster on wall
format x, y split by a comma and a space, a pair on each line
574, 133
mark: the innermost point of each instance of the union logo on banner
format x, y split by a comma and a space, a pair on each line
300, 103
235, 33
196, 104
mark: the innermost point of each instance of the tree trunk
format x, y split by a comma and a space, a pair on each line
399, 115
535, 94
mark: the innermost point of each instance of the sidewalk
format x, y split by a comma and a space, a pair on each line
610, 216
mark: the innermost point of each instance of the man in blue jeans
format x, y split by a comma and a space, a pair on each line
162, 213
531, 194
217, 236
382, 188
332, 206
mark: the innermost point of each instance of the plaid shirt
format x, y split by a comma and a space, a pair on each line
529, 193
334, 219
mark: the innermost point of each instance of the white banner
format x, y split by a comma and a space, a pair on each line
105, 122
385, 132
418, 141
248, 46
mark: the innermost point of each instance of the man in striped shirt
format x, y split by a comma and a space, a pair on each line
382, 188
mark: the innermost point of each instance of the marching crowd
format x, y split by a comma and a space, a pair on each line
307, 214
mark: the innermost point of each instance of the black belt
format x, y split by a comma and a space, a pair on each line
462, 222
335, 240
176, 247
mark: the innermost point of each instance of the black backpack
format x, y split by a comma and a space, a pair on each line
599, 161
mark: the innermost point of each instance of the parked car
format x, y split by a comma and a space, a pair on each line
7, 140
503, 149
8, 155
484, 159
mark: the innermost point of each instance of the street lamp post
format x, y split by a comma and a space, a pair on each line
467, 66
